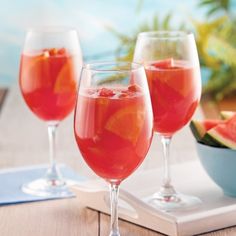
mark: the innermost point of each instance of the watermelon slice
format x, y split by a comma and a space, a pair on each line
200, 128
208, 140
225, 133
163, 64
227, 114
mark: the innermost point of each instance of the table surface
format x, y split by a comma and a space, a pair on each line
24, 142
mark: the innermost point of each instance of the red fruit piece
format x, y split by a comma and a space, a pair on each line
134, 88
163, 64
52, 52
61, 51
104, 92
225, 134
123, 95
199, 128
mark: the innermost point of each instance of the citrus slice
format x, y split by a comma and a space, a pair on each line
34, 71
65, 81
102, 104
127, 123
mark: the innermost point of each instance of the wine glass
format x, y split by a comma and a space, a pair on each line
50, 65
173, 73
113, 123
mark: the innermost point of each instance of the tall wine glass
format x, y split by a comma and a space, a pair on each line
172, 68
50, 64
113, 123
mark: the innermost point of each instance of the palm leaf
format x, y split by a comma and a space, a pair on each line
166, 21
125, 50
213, 10
215, 6
139, 6
222, 50
203, 32
219, 83
113, 79
155, 22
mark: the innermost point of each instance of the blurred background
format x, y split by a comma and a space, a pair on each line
108, 30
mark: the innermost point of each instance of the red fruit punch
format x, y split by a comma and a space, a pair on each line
175, 94
48, 83
113, 132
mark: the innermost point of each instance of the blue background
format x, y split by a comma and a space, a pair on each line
91, 18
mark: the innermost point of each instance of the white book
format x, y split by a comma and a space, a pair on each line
215, 212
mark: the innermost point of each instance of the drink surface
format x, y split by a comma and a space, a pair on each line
48, 82
113, 129
175, 93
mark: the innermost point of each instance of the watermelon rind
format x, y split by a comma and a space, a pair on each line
197, 129
227, 114
211, 141
200, 128
215, 135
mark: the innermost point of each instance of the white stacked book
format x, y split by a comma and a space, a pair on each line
216, 211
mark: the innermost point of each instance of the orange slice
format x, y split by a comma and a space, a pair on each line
35, 71
127, 123
65, 81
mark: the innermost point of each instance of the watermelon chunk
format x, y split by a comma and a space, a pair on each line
208, 140
163, 64
225, 133
227, 114
200, 128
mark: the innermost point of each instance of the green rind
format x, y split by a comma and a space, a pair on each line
203, 132
197, 129
211, 141
220, 139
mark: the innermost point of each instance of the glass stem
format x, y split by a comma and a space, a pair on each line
114, 192
166, 152
53, 173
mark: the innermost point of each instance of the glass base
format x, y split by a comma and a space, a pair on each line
48, 188
114, 234
173, 202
